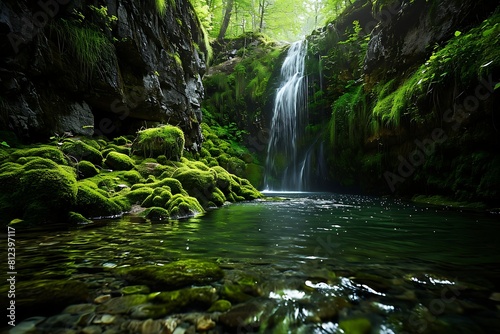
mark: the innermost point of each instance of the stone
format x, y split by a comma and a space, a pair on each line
102, 299
220, 305
173, 275
204, 324
135, 289
122, 305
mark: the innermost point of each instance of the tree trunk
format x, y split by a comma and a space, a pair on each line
262, 4
225, 21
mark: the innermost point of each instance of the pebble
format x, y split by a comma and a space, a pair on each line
102, 299
204, 324
92, 330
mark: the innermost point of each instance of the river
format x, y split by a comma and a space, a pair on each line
400, 267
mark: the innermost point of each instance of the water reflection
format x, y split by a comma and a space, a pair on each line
379, 256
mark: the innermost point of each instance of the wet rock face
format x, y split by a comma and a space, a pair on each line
406, 31
152, 71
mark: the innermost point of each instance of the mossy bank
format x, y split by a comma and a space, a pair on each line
80, 179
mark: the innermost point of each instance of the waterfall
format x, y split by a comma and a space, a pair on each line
284, 168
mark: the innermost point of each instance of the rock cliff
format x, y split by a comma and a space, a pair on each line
106, 67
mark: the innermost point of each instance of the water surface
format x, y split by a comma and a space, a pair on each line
404, 267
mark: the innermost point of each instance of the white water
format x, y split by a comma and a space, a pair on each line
284, 170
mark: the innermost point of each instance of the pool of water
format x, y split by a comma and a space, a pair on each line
399, 267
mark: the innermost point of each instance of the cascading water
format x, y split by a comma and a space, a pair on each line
284, 170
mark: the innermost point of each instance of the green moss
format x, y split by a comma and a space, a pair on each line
81, 151
173, 275
137, 196
42, 192
192, 298
159, 197
86, 169
119, 161
166, 140
116, 148
220, 305
181, 206
93, 203
43, 151
355, 326
76, 218
122, 140
197, 183
255, 174
156, 213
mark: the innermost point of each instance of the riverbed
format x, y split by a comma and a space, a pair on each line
318, 262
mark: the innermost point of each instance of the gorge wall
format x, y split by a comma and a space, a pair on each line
100, 67
406, 92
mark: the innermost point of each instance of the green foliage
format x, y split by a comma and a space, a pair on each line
90, 47
161, 6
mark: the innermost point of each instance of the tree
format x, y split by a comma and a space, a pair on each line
225, 21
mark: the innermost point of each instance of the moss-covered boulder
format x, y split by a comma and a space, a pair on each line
42, 151
38, 191
93, 202
86, 169
44, 297
173, 275
159, 197
181, 206
119, 161
195, 297
156, 214
80, 150
198, 183
165, 140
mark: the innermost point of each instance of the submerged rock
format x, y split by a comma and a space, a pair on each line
173, 275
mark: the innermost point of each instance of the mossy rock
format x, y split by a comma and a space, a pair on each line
165, 140
196, 182
181, 206
173, 275
148, 167
355, 326
116, 148
117, 180
122, 305
224, 179
40, 191
119, 161
122, 140
255, 174
44, 297
81, 151
235, 293
135, 289
93, 202
196, 297
43, 151
76, 218
218, 197
86, 169
220, 305
137, 196
159, 197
